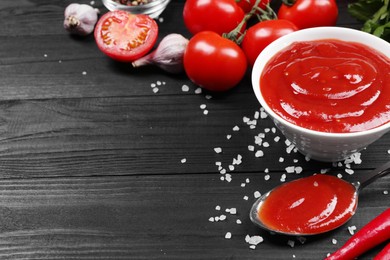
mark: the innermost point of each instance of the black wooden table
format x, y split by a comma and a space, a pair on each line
102, 161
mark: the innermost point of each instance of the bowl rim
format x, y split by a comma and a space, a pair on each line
308, 34
143, 6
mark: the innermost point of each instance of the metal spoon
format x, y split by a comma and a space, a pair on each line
359, 185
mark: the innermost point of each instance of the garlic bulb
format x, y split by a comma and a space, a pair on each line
80, 18
168, 54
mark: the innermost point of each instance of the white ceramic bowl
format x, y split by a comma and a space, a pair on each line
322, 146
154, 8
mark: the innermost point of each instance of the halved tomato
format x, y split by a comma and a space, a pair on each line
124, 36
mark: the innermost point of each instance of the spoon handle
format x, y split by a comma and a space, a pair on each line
373, 175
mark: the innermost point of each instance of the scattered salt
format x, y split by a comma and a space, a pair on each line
236, 128
245, 197
205, 112
202, 106
334, 241
217, 207
211, 219
259, 153
185, 88
218, 149
267, 177
198, 91
291, 243
238, 222
228, 235
257, 194
184, 160
84, 73
352, 230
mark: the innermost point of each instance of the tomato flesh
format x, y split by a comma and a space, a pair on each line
124, 36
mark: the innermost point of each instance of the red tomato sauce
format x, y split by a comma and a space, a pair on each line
329, 86
309, 205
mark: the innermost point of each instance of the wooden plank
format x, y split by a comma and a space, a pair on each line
120, 136
151, 217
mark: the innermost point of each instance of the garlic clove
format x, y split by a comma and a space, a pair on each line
80, 18
168, 55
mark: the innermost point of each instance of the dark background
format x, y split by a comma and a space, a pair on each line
90, 156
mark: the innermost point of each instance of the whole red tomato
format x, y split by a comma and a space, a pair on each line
262, 34
213, 62
247, 5
220, 16
310, 13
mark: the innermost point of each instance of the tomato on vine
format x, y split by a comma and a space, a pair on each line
247, 5
309, 13
262, 34
220, 16
213, 62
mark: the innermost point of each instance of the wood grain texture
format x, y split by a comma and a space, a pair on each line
148, 217
91, 159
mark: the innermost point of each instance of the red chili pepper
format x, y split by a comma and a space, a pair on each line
384, 254
375, 232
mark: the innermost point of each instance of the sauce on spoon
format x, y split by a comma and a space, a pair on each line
310, 205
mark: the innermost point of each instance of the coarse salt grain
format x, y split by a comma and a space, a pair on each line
228, 235
245, 197
281, 159
153, 85
205, 112
255, 240
238, 221
211, 219
243, 185
349, 171
184, 160
251, 148
222, 217
385, 192
218, 149
236, 128
259, 153
267, 177
202, 106
231, 167
155, 90
257, 194
217, 207
84, 73
334, 241
298, 169
185, 88
352, 230
291, 243
290, 169
277, 139
208, 97
228, 137
233, 211
198, 91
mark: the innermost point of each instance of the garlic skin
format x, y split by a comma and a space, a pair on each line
80, 19
168, 55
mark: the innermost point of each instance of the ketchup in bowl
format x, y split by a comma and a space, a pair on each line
329, 85
310, 205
